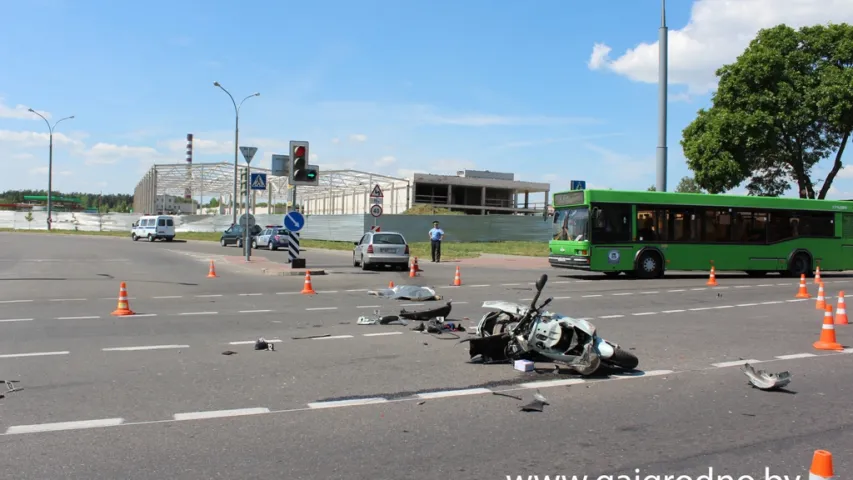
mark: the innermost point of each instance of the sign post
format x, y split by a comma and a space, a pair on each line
376, 200
248, 154
293, 223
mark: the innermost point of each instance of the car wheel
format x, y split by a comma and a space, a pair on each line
354, 261
255, 244
134, 237
151, 238
222, 242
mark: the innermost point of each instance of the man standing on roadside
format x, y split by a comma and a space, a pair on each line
436, 235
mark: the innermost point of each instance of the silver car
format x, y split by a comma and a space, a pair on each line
381, 248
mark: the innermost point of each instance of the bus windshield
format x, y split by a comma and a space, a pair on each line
574, 224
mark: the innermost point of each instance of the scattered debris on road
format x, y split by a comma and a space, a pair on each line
407, 292
537, 405
438, 327
500, 394
262, 344
10, 386
766, 381
380, 319
229, 352
424, 315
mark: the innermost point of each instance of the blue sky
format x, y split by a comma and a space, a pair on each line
381, 86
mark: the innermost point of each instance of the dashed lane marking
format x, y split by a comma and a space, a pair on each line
332, 337
250, 342
381, 334
354, 402
254, 311
320, 308
16, 301
142, 348
238, 412
199, 313
251, 294
37, 354
17, 320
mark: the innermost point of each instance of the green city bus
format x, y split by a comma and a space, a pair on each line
644, 234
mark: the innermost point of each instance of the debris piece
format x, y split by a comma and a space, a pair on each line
523, 365
262, 344
380, 319
766, 381
10, 386
407, 292
536, 405
440, 312
311, 336
500, 394
422, 402
229, 352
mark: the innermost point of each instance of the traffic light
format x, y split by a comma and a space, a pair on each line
243, 182
300, 172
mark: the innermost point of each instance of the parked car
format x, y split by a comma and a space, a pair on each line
236, 234
152, 227
273, 237
381, 248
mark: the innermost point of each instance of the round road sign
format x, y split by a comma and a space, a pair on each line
376, 210
243, 220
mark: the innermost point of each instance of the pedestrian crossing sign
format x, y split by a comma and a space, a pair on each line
259, 181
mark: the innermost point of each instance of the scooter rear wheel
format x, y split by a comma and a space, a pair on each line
624, 359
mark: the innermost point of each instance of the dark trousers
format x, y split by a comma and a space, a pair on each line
436, 250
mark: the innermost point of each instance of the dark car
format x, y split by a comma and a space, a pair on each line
236, 234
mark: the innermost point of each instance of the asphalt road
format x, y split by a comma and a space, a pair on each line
152, 395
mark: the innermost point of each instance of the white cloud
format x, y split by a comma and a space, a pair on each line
717, 32
386, 161
620, 167
20, 112
43, 171
108, 154
358, 137
24, 139
336, 141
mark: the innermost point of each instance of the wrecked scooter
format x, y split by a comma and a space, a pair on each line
516, 332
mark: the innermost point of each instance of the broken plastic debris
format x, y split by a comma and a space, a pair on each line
229, 352
262, 344
380, 319
766, 381
539, 401
407, 292
440, 312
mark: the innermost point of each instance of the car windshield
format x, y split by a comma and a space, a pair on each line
279, 231
574, 224
388, 239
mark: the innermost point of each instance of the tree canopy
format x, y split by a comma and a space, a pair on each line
783, 106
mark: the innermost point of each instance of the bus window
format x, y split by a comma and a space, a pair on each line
651, 225
575, 224
685, 225
611, 223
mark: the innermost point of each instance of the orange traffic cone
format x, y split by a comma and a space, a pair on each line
821, 465
827, 334
457, 279
417, 267
413, 272
212, 272
308, 289
841, 311
391, 284
817, 275
821, 299
712, 280
804, 292
123, 307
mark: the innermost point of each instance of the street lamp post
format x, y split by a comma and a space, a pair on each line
50, 164
236, 148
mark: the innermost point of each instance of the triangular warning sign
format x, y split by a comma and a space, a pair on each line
259, 182
377, 192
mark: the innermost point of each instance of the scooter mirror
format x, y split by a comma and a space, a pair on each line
540, 284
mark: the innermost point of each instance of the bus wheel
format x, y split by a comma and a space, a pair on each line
649, 265
799, 265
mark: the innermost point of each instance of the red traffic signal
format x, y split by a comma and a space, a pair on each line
299, 151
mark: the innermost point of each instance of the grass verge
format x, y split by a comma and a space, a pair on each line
449, 251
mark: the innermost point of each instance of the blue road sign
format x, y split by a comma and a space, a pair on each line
577, 185
294, 221
259, 181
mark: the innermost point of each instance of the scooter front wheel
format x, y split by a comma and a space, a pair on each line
624, 359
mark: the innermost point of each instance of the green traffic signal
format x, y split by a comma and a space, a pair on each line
311, 175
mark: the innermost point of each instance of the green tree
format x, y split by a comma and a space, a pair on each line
783, 106
652, 189
688, 185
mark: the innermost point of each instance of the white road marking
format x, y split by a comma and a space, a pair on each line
144, 315
55, 427
679, 290
333, 337
462, 303
454, 393
207, 296
765, 285
18, 301
743, 286
321, 308
368, 306
771, 303
147, 347
622, 294
348, 403
553, 383
251, 342
251, 294
590, 296
612, 316
747, 304
644, 313
700, 309
38, 354
561, 298
357, 290
254, 311
169, 296
648, 293
698, 289
381, 334
672, 311
238, 412
77, 318
796, 355
734, 363
510, 284
563, 281
411, 304
199, 313
327, 291
17, 320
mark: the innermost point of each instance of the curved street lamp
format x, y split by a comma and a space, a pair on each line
236, 147
50, 164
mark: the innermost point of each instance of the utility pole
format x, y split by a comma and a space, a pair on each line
236, 147
663, 37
